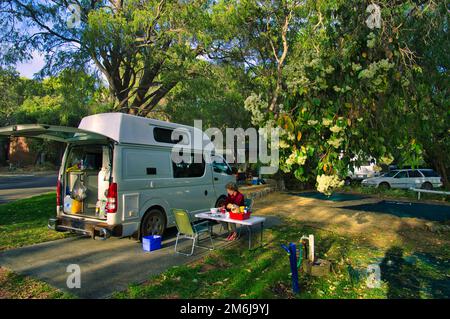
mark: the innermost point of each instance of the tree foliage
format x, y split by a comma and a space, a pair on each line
142, 48
62, 100
352, 90
217, 97
338, 87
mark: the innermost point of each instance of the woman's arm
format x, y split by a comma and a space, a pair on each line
227, 203
240, 200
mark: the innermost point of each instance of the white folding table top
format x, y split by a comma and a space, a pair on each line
253, 220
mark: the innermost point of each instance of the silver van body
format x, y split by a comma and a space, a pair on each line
126, 163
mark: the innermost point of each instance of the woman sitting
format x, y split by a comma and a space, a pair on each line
232, 202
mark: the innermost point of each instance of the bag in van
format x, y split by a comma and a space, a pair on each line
78, 191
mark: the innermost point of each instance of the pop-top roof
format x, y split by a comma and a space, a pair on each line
125, 128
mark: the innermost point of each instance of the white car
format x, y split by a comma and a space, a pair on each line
360, 172
406, 178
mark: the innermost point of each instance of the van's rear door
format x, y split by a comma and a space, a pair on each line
51, 132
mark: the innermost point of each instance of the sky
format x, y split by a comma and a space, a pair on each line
31, 67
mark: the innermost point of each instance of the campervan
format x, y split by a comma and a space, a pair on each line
118, 177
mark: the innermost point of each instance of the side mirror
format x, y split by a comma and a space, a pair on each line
234, 170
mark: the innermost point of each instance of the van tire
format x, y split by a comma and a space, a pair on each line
221, 201
153, 223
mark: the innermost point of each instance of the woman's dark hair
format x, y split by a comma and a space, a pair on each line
232, 186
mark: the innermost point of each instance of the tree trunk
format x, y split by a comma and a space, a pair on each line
442, 170
4, 151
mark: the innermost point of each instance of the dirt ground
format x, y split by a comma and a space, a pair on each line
374, 229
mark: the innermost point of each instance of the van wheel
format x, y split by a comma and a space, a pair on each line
427, 186
220, 201
153, 223
384, 185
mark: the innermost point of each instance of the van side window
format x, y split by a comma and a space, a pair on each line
164, 135
220, 166
183, 170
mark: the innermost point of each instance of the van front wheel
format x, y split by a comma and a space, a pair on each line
153, 223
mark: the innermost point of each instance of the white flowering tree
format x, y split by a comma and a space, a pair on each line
349, 89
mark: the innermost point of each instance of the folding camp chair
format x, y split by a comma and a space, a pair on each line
190, 231
249, 203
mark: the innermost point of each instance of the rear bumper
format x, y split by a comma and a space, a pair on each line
86, 227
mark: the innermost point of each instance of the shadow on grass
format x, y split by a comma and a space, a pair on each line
413, 277
430, 212
400, 275
335, 197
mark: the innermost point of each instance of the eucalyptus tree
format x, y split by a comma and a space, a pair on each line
142, 48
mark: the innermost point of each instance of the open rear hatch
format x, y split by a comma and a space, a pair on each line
87, 165
63, 134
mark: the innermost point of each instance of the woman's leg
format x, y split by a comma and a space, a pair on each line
225, 226
233, 235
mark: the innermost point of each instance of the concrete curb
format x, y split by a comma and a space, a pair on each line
28, 174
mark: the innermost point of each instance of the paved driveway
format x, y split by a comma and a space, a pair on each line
106, 266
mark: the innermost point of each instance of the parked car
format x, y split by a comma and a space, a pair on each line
361, 172
125, 181
406, 178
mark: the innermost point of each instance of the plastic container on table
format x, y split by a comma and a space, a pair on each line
239, 216
151, 243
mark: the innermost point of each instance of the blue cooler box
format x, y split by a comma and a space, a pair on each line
150, 243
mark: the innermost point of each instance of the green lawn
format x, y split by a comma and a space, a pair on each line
236, 272
264, 273
14, 286
24, 222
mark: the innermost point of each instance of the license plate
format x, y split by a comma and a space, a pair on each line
77, 224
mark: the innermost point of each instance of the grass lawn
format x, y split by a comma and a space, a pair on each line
14, 286
264, 273
24, 222
414, 260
